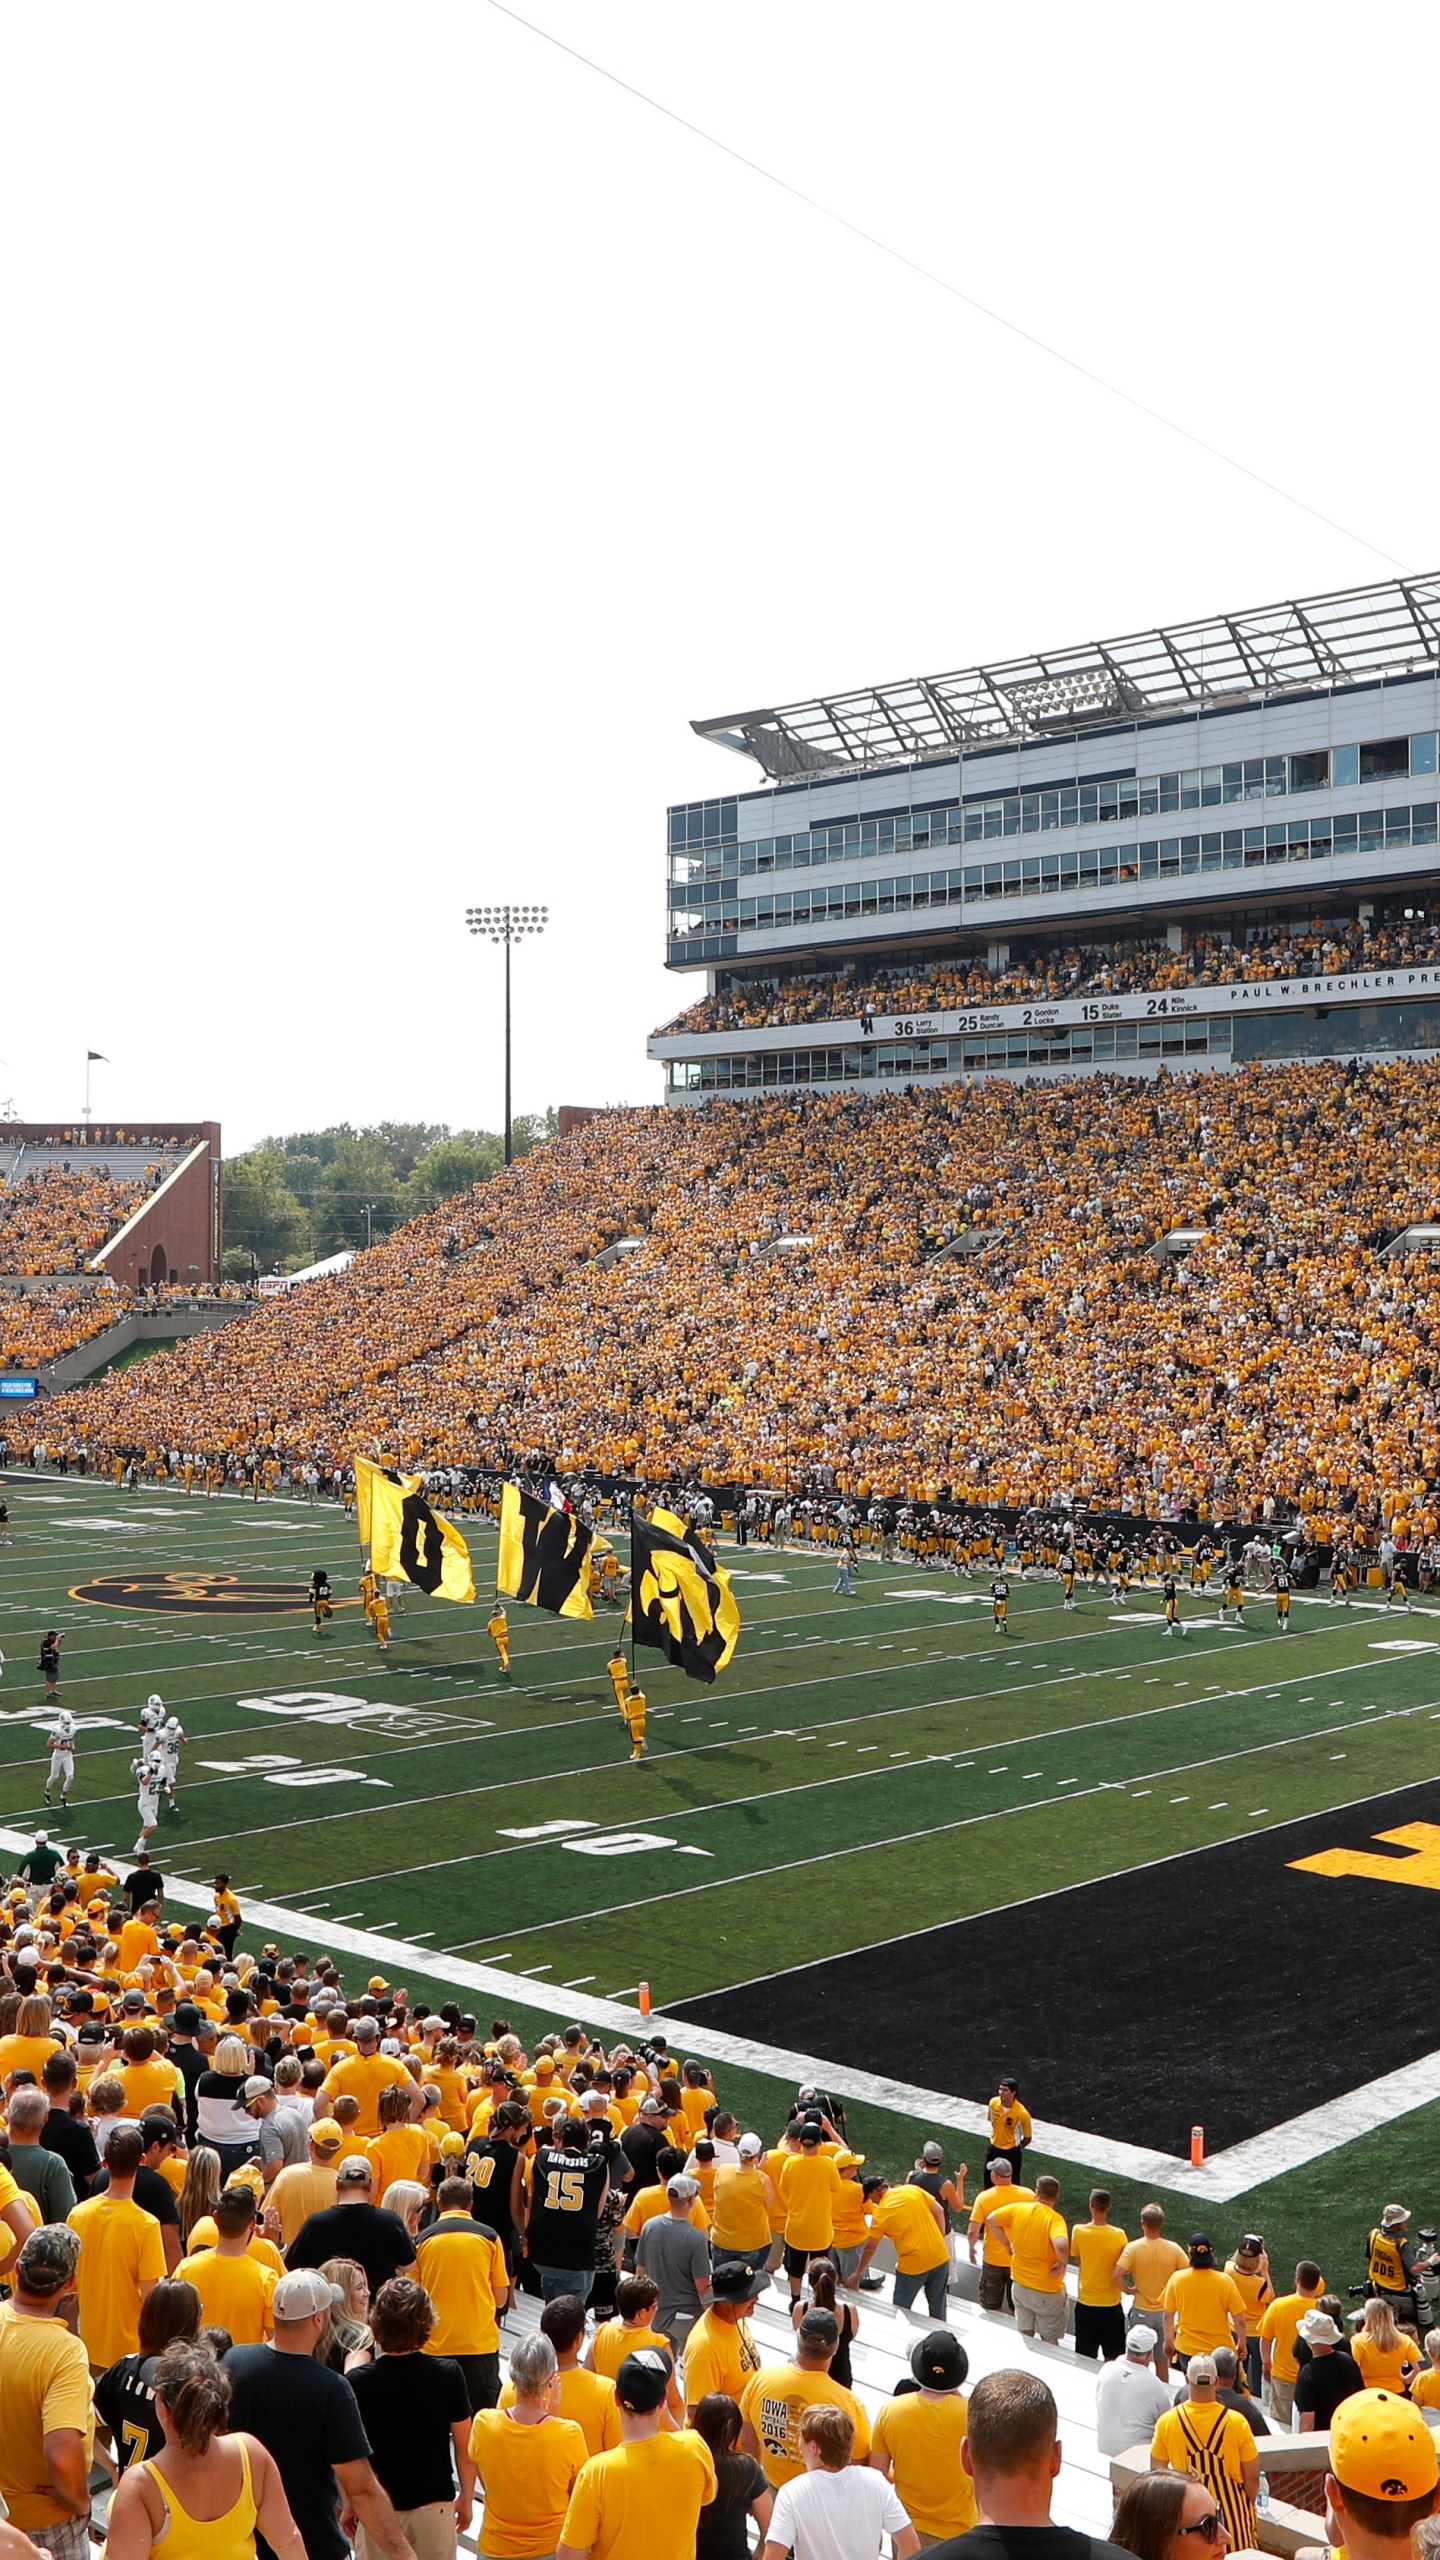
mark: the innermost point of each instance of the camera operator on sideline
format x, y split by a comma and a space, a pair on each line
1393, 2264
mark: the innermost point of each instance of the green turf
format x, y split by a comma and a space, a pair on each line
867, 1767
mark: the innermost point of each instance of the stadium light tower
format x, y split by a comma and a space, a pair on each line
507, 924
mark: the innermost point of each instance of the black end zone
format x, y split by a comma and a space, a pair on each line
1223, 1987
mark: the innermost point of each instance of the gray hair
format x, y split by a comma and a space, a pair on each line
28, 2110
533, 2365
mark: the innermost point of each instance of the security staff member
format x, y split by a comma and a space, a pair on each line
1010, 2129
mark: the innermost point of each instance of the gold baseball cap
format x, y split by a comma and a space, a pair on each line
1381, 2447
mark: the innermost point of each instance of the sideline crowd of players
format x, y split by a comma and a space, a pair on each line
252, 2224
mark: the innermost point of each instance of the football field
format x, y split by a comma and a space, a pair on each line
1156, 1877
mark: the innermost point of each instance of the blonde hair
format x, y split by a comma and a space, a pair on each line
33, 2018
231, 2059
406, 2197
201, 2191
1381, 2326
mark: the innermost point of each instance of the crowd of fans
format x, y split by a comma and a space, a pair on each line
950, 982
790, 1309
262, 2239
56, 1216
37, 1325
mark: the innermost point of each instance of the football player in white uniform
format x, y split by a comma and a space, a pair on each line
146, 1774
62, 1756
167, 1754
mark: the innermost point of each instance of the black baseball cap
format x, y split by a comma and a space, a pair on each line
643, 2380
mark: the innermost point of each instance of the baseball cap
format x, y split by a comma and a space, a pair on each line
750, 2146
1393, 2215
353, 2172
931, 2151
682, 2190
735, 2281
818, 2328
1200, 2369
938, 2361
1381, 2447
651, 2107
1319, 2330
642, 2381
849, 2159
46, 2264
301, 2295
41, 1839
452, 2146
377, 1982
326, 2134
259, 2087
811, 2133
1141, 2341
249, 2174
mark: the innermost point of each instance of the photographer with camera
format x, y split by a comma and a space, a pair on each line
1394, 2266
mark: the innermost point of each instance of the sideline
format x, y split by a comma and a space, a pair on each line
1228, 2175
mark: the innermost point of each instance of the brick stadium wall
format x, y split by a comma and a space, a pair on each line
174, 1240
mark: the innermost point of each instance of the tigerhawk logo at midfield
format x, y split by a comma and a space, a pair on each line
215, 1595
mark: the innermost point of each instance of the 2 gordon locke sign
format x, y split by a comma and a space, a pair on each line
1369, 986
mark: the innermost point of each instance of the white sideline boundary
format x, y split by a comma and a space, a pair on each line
1223, 2178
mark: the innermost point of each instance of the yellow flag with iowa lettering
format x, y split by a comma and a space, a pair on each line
682, 1602
544, 1555
409, 1542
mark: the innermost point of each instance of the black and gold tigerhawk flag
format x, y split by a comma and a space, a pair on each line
683, 1604
409, 1542
543, 1555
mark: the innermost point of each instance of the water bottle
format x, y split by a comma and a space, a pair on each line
1262, 2498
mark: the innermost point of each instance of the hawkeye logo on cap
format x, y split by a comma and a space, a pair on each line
1422, 1866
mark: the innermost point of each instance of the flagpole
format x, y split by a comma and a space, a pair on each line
633, 1482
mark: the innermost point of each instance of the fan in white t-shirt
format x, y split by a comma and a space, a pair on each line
835, 2510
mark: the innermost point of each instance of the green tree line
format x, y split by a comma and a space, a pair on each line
291, 1201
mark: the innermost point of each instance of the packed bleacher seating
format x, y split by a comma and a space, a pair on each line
1280, 1357
218, 2168
949, 982
55, 1216
41, 1325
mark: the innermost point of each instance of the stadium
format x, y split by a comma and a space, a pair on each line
1023, 1292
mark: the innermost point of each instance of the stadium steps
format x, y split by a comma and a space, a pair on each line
880, 2358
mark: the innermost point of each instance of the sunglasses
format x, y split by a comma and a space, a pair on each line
1208, 2527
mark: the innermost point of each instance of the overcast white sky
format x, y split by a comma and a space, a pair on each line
406, 434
